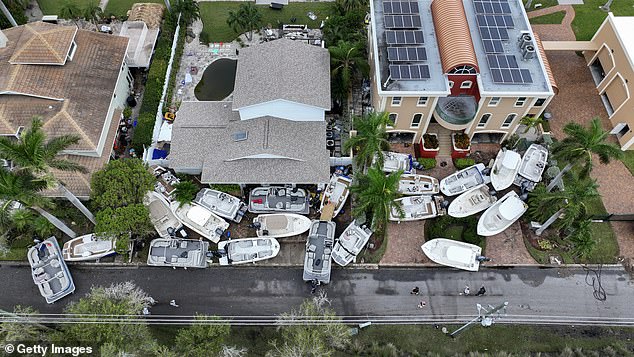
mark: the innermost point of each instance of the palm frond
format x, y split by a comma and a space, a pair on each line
67, 165
59, 144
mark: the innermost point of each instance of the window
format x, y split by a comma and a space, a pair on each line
396, 101
450, 84
418, 117
520, 101
509, 119
422, 101
494, 101
393, 117
539, 102
71, 52
463, 70
239, 136
483, 120
465, 85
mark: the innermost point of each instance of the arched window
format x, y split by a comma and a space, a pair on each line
463, 70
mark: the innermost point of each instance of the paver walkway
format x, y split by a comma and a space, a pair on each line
508, 247
403, 243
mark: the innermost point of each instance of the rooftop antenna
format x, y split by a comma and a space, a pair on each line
485, 317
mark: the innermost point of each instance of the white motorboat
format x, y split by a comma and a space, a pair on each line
412, 184
471, 202
505, 169
414, 208
501, 215
248, 250
49, 271
463, 180
178, 253
280, 225
201, 220
534, 163
87, 247
278, 199
161, 216
222, 204
394, 161
321, 237
350, 243
453, 253
336, 193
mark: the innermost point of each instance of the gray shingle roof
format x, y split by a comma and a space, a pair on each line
275, 150
283, 69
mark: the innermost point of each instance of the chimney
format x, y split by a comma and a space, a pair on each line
3, 40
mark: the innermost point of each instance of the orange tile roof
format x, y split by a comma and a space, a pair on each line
43, 43
549, 72
452, 33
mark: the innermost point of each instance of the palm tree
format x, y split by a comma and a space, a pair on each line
531, 122
184, 192
69, 10
93, 12
246, 19
34, 154
189, 10
347, 62
371, 139
581, 238
375, 194
345, 6
579, 145
568, 205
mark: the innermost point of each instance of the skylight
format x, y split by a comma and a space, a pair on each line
239, 136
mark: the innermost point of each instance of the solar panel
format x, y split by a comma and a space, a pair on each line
492, 7
409, 71
404, 37
406, 54
505, 69
402, 21
400, 7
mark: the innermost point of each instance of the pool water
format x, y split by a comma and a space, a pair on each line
218, 80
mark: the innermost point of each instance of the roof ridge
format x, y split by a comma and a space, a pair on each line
64, 112
39, 36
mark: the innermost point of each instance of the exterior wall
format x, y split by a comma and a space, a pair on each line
283, 109
405, 114
458, 79
614, 84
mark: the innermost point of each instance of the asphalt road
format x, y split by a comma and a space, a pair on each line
533, 294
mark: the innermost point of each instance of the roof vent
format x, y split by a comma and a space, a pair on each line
3, 40
239, 136
528, 52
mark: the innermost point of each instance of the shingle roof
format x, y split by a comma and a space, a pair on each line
275, 150
283, 69
452, 32
43, 43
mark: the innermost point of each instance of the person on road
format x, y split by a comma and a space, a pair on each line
173, 303
482, 291
422, 304
146, 311
415, 291
466, 290
313, 285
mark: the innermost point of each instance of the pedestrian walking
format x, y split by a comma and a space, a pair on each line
482, 291
173, 303
146, 311
466, 290
422, 304
415, 291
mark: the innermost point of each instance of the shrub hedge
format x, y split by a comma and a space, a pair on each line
428, 163
463, 163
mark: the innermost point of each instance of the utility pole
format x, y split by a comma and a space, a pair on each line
485, 319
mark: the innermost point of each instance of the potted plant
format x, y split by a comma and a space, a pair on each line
461, 145
429, 145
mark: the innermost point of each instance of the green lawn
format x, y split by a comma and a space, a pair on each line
628, 160
51, 7
215, 14
18, 250
120, 7
554, 18
589, 17
545, 4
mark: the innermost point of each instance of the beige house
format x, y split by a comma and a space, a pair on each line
456, 65
612, 68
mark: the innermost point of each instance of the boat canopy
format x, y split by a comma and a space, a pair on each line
511, 208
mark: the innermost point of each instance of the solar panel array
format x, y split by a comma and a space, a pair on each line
404, 37
402, 21
409, 71
405, 51
400, 7
494, 19
406, 54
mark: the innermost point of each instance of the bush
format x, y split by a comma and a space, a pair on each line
430, 141
143, 131
225, 188
203, 38
127, 112
428, 163
461, 141
463, 163
470, 235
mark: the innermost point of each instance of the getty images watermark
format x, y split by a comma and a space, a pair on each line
45, 350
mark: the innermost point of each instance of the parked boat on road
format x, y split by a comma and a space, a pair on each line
87, 247
414, 208
278, 199
49, 271
222, 204
453, 253
501, 215
248, 250
161, 216
471, 202
534, 163
394, 161
350, 243
412, 184
179, 253
463, 180
201, 220
336, 193
280, 225
321, 237
504, 170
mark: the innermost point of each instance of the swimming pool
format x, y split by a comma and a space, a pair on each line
218, 80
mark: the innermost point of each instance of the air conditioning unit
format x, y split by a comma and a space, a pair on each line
525, 40
528, 52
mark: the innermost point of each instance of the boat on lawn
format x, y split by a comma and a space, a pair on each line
471, 202
463, 180
534, 163
336, 193
321, 237
501, 215
453, 253
49, 271
280, 225
248, 250
350, 243
161, 216
394, 161
178, 253
201, 220
504, 170
278, 199
414, 208
222, 204
412, 184
87, 247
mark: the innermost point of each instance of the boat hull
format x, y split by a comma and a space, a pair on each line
161, 214
452, 253
493, 221
350, 243
278, 200
336, 192
49, 272
317, 265
209, 226
105, 248
248, 250
471, 202
222, 204
534, 163
279, 225
411, 184
463, 180
504, 169
415, 208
